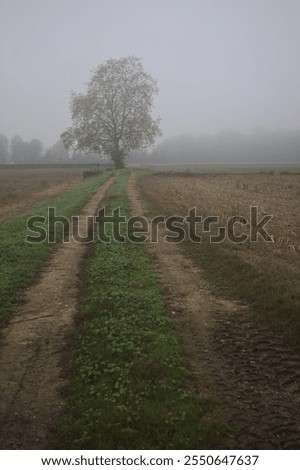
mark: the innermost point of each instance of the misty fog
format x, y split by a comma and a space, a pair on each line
230, 146
219, 65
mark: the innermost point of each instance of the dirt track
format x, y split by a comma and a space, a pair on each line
33, 345
253, 375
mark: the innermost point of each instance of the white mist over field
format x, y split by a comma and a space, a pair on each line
219, 64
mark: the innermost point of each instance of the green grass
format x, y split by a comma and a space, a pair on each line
20, 261
273, 295
130, 388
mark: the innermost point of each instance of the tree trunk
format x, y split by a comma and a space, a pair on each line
119, 161
118, 156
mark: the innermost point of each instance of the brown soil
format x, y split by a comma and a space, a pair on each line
34, 344
229, 195
252, 373
19, 189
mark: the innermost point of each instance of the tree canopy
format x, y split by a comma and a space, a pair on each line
114, 116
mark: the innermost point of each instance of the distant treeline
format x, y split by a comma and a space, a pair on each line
261, 146
92, 167
19, 152
282, 146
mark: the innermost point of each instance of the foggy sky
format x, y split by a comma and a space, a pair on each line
219, 63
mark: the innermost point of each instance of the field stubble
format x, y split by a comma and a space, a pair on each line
276, 264
19, 189
254, 372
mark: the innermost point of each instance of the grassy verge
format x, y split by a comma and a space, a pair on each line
130, 388
21, 261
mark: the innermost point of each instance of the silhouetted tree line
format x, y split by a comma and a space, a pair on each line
262, 146
17, 151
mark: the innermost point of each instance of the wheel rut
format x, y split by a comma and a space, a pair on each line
249, 370
35, 342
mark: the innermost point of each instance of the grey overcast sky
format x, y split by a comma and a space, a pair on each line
219, 63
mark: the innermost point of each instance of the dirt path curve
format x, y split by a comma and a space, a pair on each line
32, 346
253, 375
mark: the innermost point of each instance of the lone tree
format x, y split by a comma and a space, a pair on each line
114, 116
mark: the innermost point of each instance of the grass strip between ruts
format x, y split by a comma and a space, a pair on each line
129, 388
